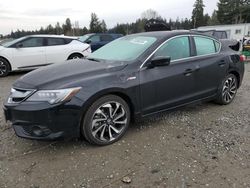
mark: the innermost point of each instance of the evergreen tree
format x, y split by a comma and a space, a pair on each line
67, 27
233, 12
95, 25
214, 19
104, 26
197, 14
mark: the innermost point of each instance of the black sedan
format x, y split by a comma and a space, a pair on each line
134, 76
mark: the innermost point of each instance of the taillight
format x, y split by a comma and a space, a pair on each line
243, 58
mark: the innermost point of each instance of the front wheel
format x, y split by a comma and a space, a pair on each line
4, 67
106, 121
228, 90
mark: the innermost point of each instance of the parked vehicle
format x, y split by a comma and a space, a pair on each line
246, 45
215, 33
34, 51
97, 40
134, 76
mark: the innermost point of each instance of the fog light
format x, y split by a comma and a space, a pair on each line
39, 131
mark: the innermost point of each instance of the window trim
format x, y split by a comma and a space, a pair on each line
28, 38
192, 57
193, 37
47, 41
189, 44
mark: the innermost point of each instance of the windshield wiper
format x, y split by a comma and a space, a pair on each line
93, 59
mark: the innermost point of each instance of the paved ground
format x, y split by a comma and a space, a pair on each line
197, 146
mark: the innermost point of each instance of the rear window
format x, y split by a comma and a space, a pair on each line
55, 41
205, 46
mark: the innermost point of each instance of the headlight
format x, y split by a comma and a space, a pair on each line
54, 96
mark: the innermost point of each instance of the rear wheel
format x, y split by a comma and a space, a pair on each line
106, 121
75, 56
228, 90
4, 67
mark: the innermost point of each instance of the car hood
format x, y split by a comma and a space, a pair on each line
67, 74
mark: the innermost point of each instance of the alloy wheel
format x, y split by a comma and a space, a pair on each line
109, 121
229, 89
3, 68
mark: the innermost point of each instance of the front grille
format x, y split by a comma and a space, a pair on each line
19, 95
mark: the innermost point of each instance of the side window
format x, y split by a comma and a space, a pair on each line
55, 41
95, 38
32, 42
204, 46
176, 48
105, 38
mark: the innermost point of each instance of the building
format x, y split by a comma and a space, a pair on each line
234, 31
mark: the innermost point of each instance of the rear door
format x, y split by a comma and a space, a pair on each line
56, 50
29, 53
211, 65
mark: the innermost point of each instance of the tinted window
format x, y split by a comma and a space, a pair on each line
204, 45
55, 41
95, 38
106, 38
32, 42
176, 48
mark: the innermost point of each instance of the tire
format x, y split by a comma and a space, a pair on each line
75, 56
4, 67
106, 121
227, 90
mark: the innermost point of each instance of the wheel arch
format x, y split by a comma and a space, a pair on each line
7, 61
237, 74
72, 53
114, 91
117, 91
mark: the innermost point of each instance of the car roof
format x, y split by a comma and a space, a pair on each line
105, 34
53, 36
169, 34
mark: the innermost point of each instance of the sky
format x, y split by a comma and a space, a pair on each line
32, 14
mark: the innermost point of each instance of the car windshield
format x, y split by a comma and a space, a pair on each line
84, 37
126, 48
10, 43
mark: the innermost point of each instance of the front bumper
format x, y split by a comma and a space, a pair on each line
43, 121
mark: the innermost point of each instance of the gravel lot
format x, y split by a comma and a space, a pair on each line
205, 145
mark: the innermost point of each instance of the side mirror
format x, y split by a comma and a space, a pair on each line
19, 45
88, 41
160, 61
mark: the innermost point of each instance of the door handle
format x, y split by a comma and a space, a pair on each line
188, 72
222, 63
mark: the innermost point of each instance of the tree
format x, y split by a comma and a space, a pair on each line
150, 14
197, 14
214, 19
206, 19
58, 29
95, 25
67, 27
104, 26
50, 29
233, 12
224, 13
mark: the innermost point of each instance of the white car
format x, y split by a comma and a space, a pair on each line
34, 51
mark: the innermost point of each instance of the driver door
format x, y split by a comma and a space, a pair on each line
29, 53
168, 86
